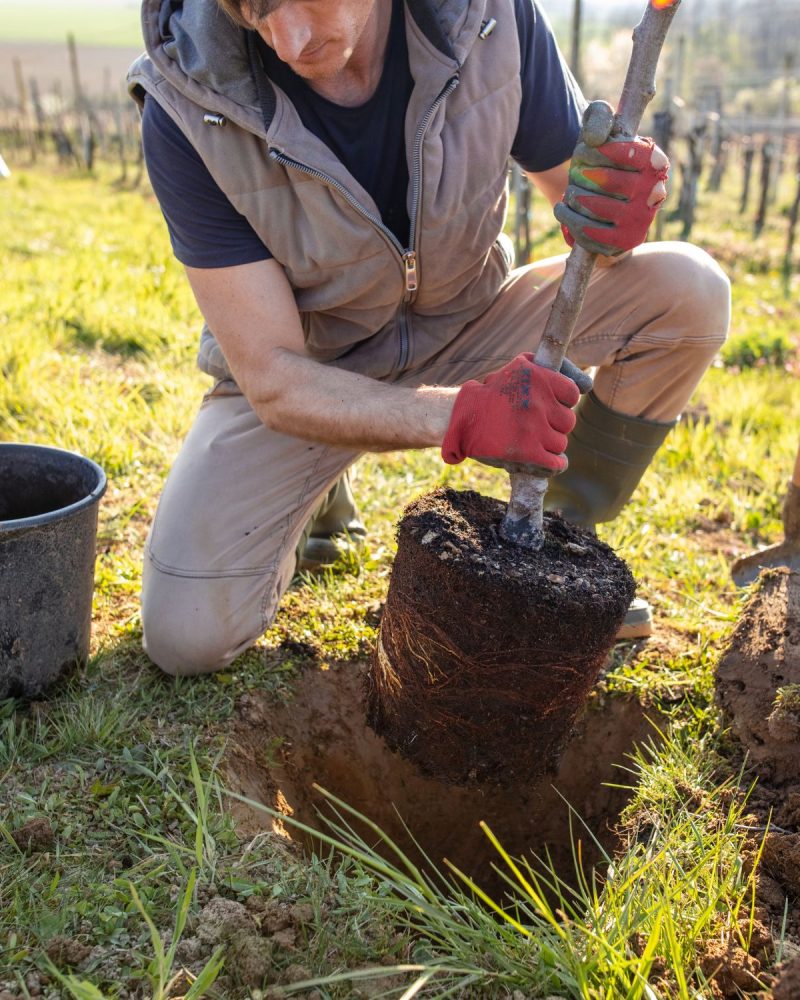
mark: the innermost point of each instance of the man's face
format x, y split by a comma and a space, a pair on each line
316, 38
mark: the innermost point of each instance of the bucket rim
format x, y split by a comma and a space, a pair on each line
39, 520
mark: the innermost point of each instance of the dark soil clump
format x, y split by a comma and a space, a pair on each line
730, 967
788, 985
488, 651
34, 837
66, 952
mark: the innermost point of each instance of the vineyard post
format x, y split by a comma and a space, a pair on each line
748, 153
82, 107
794, 212
767, 152
26, 129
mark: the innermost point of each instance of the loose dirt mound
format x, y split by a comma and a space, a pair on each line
758, 688
788, 985
758, 678
321, 736
35, 836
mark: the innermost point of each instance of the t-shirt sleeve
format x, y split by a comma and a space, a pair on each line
204, 227
552, 102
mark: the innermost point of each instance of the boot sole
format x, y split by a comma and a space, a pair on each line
322, 553
638, 623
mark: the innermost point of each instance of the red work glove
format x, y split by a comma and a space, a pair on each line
520, 414
605, 207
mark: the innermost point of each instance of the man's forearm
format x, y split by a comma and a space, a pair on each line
252, 311
321, 403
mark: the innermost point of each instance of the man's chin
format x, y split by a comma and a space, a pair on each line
324, 67
315, 73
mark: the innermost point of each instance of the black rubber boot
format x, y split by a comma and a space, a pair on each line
608, 454
333, 531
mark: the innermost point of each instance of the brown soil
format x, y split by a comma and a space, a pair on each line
788, 985
781, 859
731, 969
488, 651
761, 658
35, 836
67, 952
258, 938
756, 675
321, 736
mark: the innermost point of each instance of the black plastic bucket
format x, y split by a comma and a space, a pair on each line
48, 539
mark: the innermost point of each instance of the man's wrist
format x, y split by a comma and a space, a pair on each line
436, 407
602, 261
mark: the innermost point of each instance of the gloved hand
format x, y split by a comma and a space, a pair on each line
521, 414
613, 195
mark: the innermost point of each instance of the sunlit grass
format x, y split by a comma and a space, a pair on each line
634, 930
98, 334
91, 23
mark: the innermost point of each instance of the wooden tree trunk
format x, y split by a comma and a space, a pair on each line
120, 127
794, 212
718, 168
88, 136
522, 215
766, 172
663, 124
26, 126
38, 112
719, 149
748, 155
690, 180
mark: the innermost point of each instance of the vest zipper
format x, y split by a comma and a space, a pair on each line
408, 257
416, 161
287, 161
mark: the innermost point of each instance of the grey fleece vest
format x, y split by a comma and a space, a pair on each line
366, 302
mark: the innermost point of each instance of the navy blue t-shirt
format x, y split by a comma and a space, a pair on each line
207, 231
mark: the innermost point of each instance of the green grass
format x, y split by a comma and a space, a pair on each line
682, 880
97, 355
115, 25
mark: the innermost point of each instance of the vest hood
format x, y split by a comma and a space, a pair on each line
204, 55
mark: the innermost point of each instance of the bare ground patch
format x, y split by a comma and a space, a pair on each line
321, 737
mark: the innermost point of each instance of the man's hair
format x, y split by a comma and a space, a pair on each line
233, 8
256, 9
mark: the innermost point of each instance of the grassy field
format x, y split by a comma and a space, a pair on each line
91, 24
125, 769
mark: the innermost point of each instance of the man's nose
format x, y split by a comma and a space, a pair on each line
290, 29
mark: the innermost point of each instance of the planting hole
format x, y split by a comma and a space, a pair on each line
321, 736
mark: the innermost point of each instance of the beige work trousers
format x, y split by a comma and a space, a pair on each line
221, 551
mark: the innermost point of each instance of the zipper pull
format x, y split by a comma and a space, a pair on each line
410, 265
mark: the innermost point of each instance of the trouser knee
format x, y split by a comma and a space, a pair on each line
696, 293
182, 655
677, 320
197, 626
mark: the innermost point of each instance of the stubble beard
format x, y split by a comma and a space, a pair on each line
326, 70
